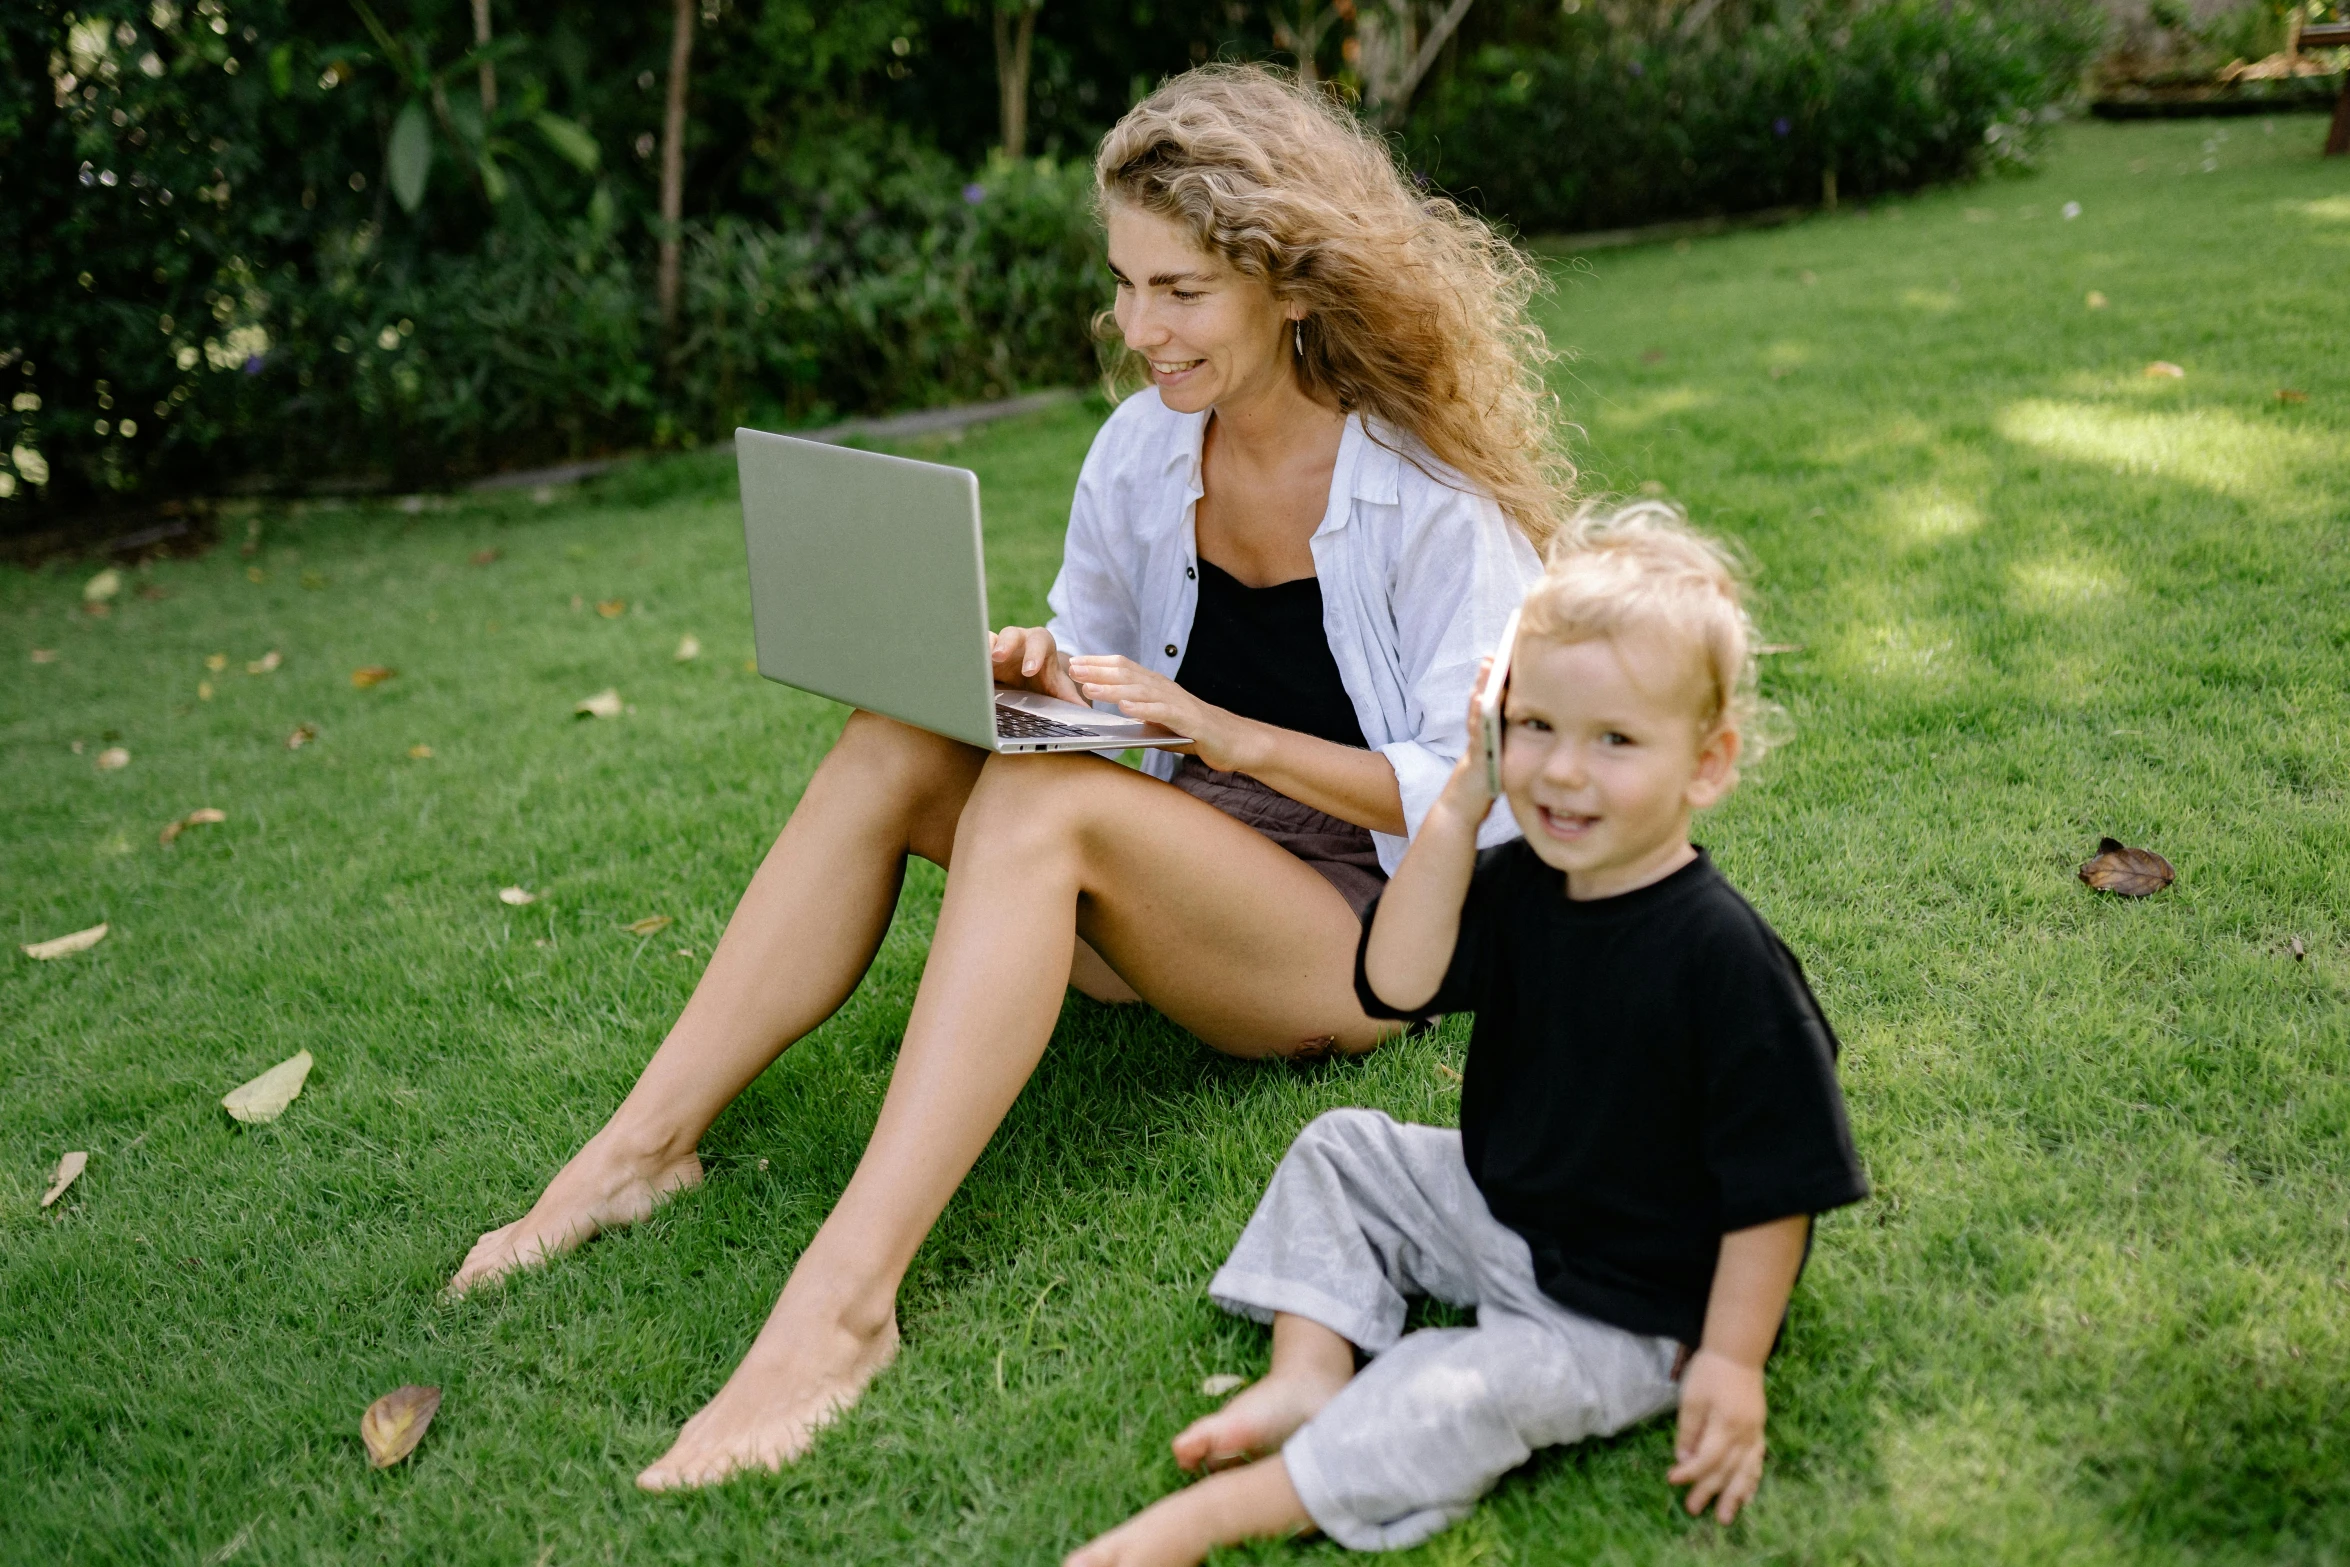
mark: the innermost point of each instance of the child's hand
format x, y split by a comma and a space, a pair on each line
1465, 792
1720, 1442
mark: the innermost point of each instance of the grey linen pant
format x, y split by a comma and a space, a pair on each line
1363, 1213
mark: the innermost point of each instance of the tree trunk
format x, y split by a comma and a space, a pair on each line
1395, 98
1013, 40
1302, 36
489, 72
681, 54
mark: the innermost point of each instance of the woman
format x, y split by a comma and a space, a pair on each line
1294, 548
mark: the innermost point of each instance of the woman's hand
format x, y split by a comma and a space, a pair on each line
1219, 738
1024, 658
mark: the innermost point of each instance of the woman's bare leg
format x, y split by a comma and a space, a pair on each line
1224, 932
799, 941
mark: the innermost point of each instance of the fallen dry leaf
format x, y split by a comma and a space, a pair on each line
371, 675
2096, 300
488, 557
113, 759
2299, 951
649, 924
1449, 1073
102, 587
689, 646
2286, 394
611, 609
264, 664
2132, 873
101, 609
516, 896
216, 662
2163, 370
44, 655
207, 816
395, 1423
420, 753
604, 704
66, 946
303, 734
69, 1170
203, 690
1221, 1383
265, 1098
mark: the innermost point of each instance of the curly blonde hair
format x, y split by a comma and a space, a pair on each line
1643, 565
1416, 311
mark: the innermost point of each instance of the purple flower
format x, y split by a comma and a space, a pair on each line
975, 193
1779, 126
253, 365
1638, 69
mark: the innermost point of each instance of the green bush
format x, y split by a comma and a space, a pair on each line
1606, 125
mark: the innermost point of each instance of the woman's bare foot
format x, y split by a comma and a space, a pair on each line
1180, 1530
792, 1384
1260, 1417
602, 1188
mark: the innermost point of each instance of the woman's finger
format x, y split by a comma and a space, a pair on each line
1038, 651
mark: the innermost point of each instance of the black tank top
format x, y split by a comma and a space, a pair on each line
1262, 653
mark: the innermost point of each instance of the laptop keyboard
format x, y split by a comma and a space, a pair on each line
1014, 723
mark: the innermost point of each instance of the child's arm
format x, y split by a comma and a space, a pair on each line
1720, 1442
1419, 915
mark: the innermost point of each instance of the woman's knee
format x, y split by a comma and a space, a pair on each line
1031, 805
883, 764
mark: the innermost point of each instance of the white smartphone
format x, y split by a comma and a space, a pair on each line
1489, 695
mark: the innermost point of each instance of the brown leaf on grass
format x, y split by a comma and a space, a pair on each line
203, 690
102, 587
113, 759
44, 655
611, 609
2299, 951
2131, 873
516, 897
2286, 394
2163, 370
65, 946
303, 734
367, 675
99, 610
264, 664
604, 704
69, 1170
1652, 356
395, 1423
689, 647
216, 662
649, 924
488, 557
1221, 1383
264, 1099
420, 753
2097, 301
207, 816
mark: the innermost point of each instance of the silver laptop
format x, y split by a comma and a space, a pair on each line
868, 586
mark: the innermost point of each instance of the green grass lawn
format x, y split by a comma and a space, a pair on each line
2094, 1313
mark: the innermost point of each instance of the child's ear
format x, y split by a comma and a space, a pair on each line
1717, 768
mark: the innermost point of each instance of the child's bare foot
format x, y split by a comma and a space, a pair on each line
795, 1381
1260, 1417
1180, 1530
602, 1188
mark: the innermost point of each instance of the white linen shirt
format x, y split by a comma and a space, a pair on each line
1418, 576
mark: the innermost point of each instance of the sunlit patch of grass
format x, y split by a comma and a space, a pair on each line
2214, 447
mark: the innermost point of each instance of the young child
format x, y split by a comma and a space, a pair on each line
1649, 1115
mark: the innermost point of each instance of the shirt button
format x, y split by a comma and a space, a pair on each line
1190, 573
1170, 650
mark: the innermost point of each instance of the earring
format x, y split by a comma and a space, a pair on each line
1298, 331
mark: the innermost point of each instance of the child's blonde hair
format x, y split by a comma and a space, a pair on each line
1643, 565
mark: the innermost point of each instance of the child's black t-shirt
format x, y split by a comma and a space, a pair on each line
1647, 1073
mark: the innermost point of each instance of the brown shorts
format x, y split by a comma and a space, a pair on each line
1342, 852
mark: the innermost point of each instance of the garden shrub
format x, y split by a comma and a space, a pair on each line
1608, 123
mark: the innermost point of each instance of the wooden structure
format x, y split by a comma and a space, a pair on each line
2328, 35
